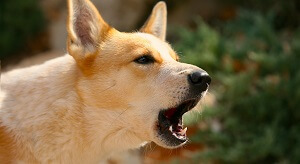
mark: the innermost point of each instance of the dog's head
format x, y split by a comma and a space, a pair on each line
136, 74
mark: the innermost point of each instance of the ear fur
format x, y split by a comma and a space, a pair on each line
157, 21
86, 28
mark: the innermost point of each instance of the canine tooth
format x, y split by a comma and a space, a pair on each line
185, 129
171, 128
182, 132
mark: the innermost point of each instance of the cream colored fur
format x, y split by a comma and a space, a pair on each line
94, 101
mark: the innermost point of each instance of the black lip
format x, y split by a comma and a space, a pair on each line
164, 123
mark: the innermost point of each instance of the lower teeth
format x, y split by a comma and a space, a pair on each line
183, 132
180, 133
179, 136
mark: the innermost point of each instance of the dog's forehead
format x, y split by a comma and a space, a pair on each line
161, 47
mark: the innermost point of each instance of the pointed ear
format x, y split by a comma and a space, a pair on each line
86, 28
157, 22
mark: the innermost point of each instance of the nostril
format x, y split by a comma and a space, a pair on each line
199, 81
195, 77
199, 78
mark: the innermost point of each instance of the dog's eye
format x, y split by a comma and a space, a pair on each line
146, 59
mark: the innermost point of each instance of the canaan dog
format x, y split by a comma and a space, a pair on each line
113, 91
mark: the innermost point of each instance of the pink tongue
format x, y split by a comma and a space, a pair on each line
170, 112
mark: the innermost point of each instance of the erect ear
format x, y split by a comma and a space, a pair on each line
86, 28
157, 22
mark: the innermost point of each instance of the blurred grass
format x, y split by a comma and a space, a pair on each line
254, 67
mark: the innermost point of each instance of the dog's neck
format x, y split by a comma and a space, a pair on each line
110, 136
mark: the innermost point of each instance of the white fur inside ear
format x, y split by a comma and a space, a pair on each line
158, 26
95, 29
157, 22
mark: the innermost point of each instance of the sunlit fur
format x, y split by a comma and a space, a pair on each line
92, 102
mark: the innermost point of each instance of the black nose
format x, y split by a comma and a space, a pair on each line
199, 79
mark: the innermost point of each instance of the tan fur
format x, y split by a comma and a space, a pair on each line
94, 101
6, 142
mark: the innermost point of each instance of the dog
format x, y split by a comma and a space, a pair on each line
112, 92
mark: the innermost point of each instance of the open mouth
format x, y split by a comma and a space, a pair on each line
170, 125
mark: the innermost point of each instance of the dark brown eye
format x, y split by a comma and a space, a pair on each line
146, 59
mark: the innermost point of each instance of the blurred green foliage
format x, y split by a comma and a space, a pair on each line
19, 20
256, 81
285, 12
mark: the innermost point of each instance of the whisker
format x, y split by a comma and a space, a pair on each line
108, 87
115, 120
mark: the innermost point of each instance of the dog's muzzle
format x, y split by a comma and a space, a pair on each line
170, 126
